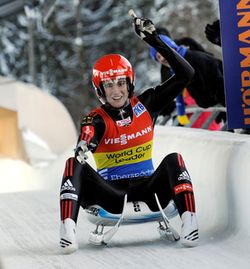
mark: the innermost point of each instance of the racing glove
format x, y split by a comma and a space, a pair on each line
145, 29
80, 152
212, 32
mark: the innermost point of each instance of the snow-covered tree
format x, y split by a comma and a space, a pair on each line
70, 35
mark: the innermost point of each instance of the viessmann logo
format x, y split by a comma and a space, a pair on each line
113, 72
183, 187
124, 138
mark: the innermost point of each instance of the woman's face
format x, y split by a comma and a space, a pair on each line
116, 91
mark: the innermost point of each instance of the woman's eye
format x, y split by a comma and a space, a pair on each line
121, 83
108, 85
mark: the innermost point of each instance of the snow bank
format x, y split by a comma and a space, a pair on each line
218, 163
17, 176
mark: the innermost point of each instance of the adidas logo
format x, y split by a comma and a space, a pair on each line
184, 176
192, 236
68, 186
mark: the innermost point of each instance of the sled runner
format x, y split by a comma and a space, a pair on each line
132, 213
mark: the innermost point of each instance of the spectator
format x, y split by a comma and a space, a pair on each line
207, 86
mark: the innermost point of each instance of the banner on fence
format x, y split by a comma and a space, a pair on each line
235, 35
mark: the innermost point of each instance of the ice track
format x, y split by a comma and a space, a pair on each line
29, 229
29, 207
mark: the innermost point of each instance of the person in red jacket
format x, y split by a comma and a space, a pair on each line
120, 134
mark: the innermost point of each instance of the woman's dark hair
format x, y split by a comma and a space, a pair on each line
163, 31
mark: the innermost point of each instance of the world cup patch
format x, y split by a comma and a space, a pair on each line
139, 109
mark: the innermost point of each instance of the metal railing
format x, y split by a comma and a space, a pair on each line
196, 112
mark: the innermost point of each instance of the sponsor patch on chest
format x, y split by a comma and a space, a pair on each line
123, 122
138, 109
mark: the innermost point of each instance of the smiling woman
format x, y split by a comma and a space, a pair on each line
113, 79
116, 92
120, 135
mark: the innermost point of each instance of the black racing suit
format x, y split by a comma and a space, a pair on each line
83, 186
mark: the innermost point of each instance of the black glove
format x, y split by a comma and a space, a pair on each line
212, 32
145, 29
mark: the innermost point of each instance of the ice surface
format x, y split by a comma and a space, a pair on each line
29, 225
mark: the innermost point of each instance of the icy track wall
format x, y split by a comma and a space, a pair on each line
218, 163
38, 112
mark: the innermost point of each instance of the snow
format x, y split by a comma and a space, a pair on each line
29, 226
218, 163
